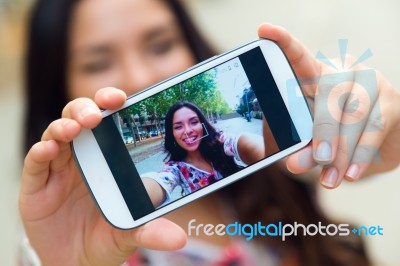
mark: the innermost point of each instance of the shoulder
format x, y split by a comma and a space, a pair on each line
230, 144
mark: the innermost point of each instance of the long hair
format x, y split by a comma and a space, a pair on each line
46, 95
210, 147
46, 64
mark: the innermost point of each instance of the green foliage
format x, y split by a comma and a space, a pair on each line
199, 90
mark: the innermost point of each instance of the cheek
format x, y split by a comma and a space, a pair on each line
174, 63
176, 134
83, 85
199, 129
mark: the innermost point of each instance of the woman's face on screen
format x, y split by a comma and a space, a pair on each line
128, 44
187, 129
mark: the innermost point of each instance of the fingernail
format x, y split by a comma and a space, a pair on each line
352, 171
323, 152
87, 111
330, 177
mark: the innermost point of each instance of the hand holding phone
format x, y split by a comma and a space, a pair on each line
55, 204
242, 95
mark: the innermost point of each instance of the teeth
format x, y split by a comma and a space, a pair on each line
190, 140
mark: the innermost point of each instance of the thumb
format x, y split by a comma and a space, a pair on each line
159, 234
302, 61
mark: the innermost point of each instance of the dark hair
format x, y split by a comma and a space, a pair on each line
210, 147
46, 64
47, 59
268, 194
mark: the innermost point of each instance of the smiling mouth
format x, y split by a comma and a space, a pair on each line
190, 140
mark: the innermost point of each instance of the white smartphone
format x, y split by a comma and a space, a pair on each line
178, 140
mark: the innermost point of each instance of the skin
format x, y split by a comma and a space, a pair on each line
60, 217
126, 44
187, 130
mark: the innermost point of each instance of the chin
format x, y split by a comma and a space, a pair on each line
192, 148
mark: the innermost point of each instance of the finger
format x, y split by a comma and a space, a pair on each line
367, 150
334, 90
354, 119
300, 58
110, 98
63, 130
301, 161
159, 234
84, 111
36, 166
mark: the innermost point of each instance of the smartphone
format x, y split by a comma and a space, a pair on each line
181, 139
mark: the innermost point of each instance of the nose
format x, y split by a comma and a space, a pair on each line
136, 75
188, 129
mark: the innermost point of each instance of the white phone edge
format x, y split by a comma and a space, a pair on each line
101, 182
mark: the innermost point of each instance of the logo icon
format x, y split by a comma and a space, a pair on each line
352, 91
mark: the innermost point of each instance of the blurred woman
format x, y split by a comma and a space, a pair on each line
78, 47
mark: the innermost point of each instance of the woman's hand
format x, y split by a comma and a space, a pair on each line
356, 115
60, 217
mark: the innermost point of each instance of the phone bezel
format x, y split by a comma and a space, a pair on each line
100, 180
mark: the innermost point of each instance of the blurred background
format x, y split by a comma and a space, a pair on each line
318, 24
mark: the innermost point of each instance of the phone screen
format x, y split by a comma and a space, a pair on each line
150, 145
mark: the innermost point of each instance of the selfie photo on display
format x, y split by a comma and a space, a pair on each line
186, 137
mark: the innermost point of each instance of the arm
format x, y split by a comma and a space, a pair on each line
250, 148
253, 147
160, 185
155, 191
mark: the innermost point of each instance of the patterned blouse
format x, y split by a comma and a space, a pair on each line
189, 177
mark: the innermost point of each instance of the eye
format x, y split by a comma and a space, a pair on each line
177, 127
161, 47
195, 122
96, 66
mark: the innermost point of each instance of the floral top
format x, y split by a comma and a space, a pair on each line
190, 178
185, 175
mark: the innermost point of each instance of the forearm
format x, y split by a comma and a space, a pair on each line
251, 148
155, 191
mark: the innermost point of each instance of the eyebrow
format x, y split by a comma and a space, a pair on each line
93, 50
170, 27
190, 119
160, 30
